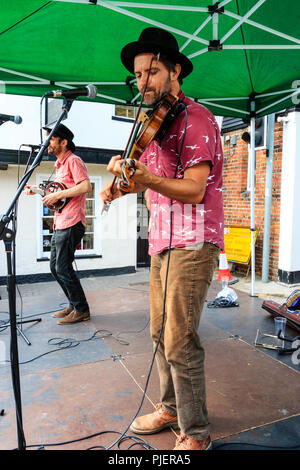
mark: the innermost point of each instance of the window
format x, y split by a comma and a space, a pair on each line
90, 243
128, 112
87, 242
47, 230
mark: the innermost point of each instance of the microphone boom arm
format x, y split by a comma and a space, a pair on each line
37, 160
8, 237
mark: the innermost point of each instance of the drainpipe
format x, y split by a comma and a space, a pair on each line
268, 198
252, 196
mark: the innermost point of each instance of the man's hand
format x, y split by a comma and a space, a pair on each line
52, 199
142, 175
108, 194
110, 191
115, 165
27, 189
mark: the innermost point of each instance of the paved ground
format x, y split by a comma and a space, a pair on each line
88, 283
266, 290
90, 379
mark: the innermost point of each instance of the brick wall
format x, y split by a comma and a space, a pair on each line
237, 198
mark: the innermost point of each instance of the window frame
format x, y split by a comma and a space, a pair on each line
125, 118
97, 250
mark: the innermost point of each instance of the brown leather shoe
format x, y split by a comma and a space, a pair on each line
184, 442
154, 422
74, 317
63, 313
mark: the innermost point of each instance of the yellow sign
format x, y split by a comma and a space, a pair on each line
238, 243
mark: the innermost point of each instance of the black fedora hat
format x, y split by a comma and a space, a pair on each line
156, 40
63, 132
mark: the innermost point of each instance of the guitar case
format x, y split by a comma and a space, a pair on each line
289, 309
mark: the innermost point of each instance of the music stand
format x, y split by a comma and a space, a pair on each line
8, 236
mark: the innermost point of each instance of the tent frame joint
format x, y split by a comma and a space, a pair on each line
215, 45
212, 9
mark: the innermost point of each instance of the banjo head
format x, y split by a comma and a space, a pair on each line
53, 187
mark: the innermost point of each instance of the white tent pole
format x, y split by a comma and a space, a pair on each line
244, 47
252, 196
215, 21
135, 98
296, 92
154, 6
263, 27
151, 22
195, 33
242, 20
273, 93
32, 77
208, 102
195, 54
232, 98
261, 46
205, 22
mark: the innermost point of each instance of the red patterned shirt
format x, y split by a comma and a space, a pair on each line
71, 171
191, 223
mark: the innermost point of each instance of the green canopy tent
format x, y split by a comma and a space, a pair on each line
245, 52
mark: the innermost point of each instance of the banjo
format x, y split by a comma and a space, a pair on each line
51, 187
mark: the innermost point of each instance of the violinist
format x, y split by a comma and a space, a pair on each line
182, 173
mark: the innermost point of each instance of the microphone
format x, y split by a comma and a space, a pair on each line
90, 91
7, 117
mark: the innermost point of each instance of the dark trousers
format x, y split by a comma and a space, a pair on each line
63, 246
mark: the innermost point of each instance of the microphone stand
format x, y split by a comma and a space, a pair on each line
13, 268
8, 236
11, 271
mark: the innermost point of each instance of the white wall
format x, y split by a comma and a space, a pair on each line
289, 253
90, 122
92, 126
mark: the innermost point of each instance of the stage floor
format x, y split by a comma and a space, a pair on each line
89, 378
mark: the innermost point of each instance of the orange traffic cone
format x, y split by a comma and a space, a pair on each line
224, 273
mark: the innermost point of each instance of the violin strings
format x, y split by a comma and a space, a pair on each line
154, 57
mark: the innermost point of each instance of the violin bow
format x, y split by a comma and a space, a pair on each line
133, 132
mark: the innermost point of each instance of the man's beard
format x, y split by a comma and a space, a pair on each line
156, 96
54, 151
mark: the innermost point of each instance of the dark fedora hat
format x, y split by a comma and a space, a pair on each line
63, 132
156, 40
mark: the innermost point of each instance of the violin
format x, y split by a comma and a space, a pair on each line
151, 129
148, 128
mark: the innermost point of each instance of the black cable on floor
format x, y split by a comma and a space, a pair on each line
253, 444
